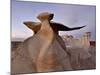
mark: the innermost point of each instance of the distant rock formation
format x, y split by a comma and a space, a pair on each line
80, 50
82, 42
86, 39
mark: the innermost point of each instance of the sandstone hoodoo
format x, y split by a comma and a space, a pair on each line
45, 51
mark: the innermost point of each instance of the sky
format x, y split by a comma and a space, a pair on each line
68, 14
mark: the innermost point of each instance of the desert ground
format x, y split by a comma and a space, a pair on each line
80, 64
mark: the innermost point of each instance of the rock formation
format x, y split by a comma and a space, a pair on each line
86, 39
35, 26
43, 52
82, 42
80, 51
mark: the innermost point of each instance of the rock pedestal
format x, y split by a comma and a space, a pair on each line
86, 39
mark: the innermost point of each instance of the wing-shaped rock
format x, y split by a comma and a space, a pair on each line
35, 26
